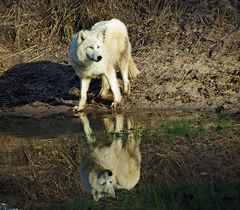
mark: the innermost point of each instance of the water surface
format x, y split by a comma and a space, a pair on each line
158, 160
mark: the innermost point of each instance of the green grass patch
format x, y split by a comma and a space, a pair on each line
189, 127
182, 127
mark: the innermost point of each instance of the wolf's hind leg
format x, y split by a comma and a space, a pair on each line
113, 82
105, 88
123, 66
126, 83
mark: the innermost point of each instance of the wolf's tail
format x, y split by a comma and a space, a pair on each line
133, 70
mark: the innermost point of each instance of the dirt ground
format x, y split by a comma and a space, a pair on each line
188, 54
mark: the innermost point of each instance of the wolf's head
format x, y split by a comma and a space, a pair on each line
100, 183
90, 46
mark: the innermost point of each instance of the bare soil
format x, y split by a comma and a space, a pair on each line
187, 52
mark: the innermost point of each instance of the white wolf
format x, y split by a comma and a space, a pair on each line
101, 51
105, 167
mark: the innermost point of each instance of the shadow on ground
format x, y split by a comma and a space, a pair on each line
40, 82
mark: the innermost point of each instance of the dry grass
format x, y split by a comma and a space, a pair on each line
43, 170
48, 22
186, 50
186, 161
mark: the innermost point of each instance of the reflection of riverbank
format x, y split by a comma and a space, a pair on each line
39, 170
40, 155
38, 128
177, 153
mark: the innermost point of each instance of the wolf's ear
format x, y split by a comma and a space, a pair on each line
101, 34
81, 36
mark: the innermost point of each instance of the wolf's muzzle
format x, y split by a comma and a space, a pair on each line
99, 58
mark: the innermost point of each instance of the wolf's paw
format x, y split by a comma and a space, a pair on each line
114, 105
104, 95
127, 92
77, 109
127, 89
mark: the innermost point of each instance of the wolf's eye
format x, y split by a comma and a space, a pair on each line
103, 183
91, 47
98, 47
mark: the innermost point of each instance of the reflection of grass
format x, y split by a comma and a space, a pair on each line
192, 196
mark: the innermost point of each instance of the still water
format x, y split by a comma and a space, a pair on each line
150, 160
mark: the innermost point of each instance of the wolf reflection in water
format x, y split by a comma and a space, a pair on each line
106, 166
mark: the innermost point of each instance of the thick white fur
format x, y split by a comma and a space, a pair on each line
123, 161
100, 52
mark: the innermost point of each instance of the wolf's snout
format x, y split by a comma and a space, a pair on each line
105, 174
99, 58
108, 172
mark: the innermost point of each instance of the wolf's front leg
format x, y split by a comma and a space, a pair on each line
83, 94
112, 80
86, 127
